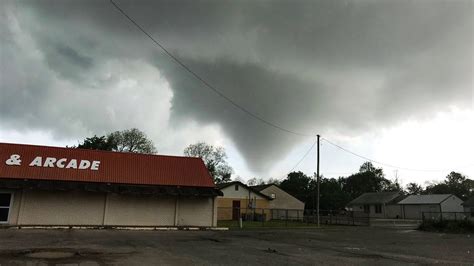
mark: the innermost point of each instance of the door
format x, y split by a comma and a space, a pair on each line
235, 209
5, 206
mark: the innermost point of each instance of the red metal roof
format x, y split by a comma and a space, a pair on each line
114, 167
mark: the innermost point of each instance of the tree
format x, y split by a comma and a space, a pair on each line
96, 143
260, 181
130, 140
214, 158
332, 194
302, 187
298, 185
456, 184
369, 179
272, 180
256, 181
414, 189
393, 186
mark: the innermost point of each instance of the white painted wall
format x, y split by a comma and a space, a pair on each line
61, 208
452, 204
393, 211
40, 207
282, 199
195, 212
414, 212
139, 210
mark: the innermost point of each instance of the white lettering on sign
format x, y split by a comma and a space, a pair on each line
95, 165
72, 164
14, 160
51, 162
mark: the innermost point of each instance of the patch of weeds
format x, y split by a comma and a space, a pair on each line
446, 226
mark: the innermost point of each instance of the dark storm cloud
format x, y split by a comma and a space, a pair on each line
346, 66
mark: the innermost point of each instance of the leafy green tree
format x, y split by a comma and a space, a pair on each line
456, 184
299, 185
129, 140
272, 180
414, 189
214, 159
369, 179
332, 194
393, 186
96, 143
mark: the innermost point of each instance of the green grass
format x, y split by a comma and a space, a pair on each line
266, 224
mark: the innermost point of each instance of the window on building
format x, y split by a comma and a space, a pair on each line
366, 208
5, 202
273, 196
378, 208
236, 187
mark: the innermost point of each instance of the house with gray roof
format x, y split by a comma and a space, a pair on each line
378, 204
434, 205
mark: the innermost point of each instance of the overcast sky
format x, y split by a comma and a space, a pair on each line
390, 80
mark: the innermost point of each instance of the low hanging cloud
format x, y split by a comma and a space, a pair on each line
323, 66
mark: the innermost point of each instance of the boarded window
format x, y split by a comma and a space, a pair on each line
5, 202
378, 208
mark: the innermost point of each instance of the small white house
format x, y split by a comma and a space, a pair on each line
434, 205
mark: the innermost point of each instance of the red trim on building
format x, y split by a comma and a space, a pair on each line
114, 167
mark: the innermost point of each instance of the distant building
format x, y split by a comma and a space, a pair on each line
378, 204
414, 206
238, 199
469, 206
268, 202
283, 204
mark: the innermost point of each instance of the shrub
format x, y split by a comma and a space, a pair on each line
446, 226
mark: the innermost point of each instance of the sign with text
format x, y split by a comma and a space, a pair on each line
39, 161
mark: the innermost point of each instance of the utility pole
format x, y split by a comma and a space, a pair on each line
317, 178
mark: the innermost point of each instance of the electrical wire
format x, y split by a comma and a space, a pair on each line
304, 156
203, 81
250, 113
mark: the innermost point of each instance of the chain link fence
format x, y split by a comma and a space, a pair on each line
264, 217
449, 216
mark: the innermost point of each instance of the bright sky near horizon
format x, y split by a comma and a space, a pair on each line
392, 81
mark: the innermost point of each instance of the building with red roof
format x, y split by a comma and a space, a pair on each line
42, 185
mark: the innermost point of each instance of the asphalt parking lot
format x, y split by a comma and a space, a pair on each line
333, 245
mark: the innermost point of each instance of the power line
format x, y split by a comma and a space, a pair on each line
304, 156
382, 163
243, 109
207, 84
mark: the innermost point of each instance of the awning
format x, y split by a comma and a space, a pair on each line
146, 190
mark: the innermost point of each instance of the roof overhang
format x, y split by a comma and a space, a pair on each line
146, 190
224, 185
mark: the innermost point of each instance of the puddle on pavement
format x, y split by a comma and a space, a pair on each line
50, 255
